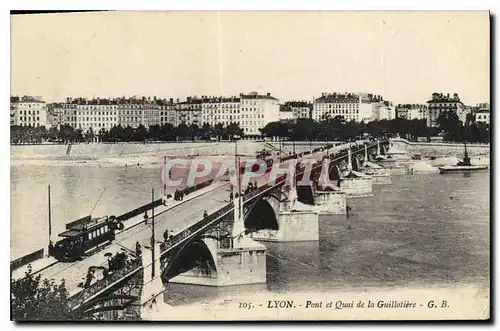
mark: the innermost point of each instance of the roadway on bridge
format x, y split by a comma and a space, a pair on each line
177, 219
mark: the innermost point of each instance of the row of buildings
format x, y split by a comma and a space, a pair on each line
439, 103
250, 111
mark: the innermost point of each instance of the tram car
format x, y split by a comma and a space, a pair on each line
83, 236
266, 156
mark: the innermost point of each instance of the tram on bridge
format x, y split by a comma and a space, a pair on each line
84, 236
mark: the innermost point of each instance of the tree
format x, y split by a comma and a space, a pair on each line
90, 135
234, 129
140, 133
182, 131
194, 131
448, 122
32, 299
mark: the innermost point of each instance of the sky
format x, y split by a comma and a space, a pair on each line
403, 56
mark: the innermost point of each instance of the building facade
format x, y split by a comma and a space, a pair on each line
482, 116
440, 103
286, 115
224, 110
28, 111
360, 107
54, 115
168, 113
98, 114
299, 109
189, 112
412, 111
256, 111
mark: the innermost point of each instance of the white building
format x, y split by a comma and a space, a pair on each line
482, 116
215, 110
28, 111
299, 109
412, 111
440, 103
256, 111
104, 114
385, 111
286, 113
358, 107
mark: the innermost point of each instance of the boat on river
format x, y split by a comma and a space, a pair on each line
462, 166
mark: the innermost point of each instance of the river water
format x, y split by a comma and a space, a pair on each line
423, 229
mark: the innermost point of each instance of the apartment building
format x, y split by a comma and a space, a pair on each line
351, 106
28, 111
189, 112
412, 111
224, 110
256, 111
440, 102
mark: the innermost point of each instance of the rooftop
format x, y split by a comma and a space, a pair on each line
255, 95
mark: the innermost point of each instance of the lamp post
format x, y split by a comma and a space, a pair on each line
237, 170
153, 244
50, 223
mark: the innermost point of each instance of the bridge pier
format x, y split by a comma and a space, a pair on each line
296, 222
354, 183
330, 202
152, 303
380, 175
242, 264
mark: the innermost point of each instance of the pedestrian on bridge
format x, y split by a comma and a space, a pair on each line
138, 251
231, 196
205, 214
165, 236
88, 278
146, 217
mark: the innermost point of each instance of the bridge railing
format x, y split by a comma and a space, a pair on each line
26, 259
140, 210
85, 294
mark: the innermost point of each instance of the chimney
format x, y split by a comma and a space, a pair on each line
268, 94
171, 100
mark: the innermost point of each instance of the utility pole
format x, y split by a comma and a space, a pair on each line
280, 150
239, 189
50, 219
165, 174
153, 244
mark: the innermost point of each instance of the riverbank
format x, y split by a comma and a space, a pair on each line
440, 150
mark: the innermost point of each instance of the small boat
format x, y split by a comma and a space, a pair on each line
463, 166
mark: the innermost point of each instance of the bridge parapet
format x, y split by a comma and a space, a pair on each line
132, 267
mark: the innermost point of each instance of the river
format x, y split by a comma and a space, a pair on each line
423, 229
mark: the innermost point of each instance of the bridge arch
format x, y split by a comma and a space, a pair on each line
263, 215
195, 257
305, 194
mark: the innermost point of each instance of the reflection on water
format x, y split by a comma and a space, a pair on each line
422, 229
